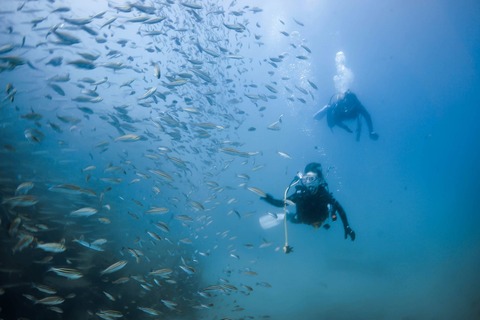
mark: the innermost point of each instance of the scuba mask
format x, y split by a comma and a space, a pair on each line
311, 181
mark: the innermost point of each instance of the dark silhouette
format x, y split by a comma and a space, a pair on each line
347, 107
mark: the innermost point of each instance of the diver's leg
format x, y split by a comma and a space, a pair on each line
344, 127
359, 128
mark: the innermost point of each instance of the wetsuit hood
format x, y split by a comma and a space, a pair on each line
314, 167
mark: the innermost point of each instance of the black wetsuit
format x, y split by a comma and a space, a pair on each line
313, 208
349, 108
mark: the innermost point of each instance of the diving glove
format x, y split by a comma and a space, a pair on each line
349, 233
373, 135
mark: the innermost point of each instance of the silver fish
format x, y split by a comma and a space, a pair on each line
67, 273
114, 267
21, 201
148, 93
24, 187
51, 301
54, 247
84, 212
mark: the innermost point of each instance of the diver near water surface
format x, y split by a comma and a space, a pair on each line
344, 105
347, 107
314, 203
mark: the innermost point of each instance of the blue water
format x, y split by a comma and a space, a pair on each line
410, 196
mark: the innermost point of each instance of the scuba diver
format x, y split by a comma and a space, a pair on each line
314, 203
346, 107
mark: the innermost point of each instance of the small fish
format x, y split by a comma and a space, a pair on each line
21, 201
250, 273
271, 89
51, 301
162, 226
185, 241
183, 217
284, 155
188, 270
230, 287
55, 309
34, 135
157, 210
99, 242
82, 64
55, 61
88, 245
313, 85
109, 314
154, 236
6, 48
71, 189
57, 89
258, 191
9, 88
298, 22
84, 212
148, 93
24, 187
108, 22
128, 138
191, 5
176, 83
78, 21
196, 205
54, 247
67, 273
149, 311
169, 304
155, 20
114, 267
60, 78
264, 284
156, 71
165, 272
235, 152
23, 243
121, 280
43, 288
162, 174
109, 296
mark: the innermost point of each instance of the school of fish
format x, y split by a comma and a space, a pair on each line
118, 130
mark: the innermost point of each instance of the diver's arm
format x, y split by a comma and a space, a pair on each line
362, 111
366, 116
343, 216
274, 202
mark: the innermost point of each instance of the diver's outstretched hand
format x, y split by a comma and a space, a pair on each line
349, 233
267, 197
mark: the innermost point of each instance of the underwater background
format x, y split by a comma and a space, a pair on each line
136, 138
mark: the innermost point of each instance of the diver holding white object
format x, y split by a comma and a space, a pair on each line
314, 202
